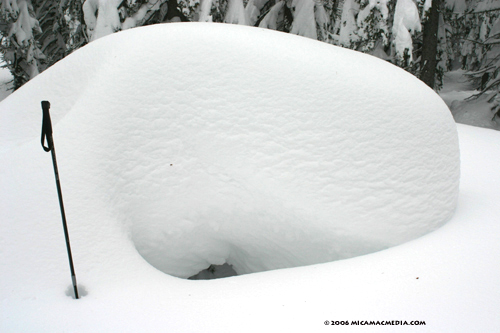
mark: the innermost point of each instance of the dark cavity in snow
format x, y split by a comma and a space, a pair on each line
82, 291
215, 272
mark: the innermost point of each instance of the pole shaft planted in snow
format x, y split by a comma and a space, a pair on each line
47, 132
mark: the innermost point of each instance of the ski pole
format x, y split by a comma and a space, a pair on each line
47, 134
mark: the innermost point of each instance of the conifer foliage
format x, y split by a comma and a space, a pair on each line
481, 49
38, 33
20, 49
425, 37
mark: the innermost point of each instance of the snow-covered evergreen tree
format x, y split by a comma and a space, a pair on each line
36, 34
373, 25
406, 23
103, 17
481, 49
383, 28
306, 18
20, 50
235, 13
348, 27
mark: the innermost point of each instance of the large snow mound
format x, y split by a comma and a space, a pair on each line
207, 143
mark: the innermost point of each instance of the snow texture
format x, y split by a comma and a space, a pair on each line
274, 151
447, 278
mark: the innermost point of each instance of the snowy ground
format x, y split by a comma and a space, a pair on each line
476, 112
447, 278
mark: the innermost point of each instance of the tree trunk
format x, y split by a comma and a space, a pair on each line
430, 44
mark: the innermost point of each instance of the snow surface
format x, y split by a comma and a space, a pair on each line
224, 159
246, 155
458, 94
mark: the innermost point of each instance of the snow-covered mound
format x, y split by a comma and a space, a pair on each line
209, 143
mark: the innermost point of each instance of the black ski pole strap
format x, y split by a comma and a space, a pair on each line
46, 127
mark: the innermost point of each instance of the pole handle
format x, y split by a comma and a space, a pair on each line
46, 127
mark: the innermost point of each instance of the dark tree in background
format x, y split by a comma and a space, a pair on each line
429, 56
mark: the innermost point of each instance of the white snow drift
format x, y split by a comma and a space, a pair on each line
213, 143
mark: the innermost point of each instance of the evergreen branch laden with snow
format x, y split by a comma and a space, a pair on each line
38, 33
